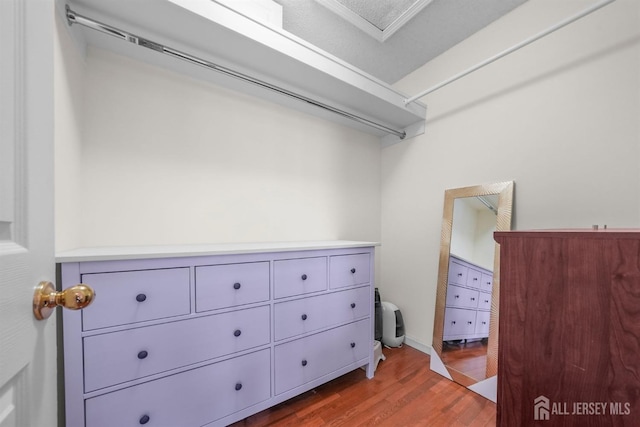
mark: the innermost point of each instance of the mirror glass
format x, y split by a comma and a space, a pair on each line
465, 339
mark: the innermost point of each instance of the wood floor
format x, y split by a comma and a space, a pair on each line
404, 392
469, 358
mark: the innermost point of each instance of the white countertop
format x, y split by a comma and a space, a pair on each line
107, 253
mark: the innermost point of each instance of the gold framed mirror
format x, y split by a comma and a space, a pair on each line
465, 333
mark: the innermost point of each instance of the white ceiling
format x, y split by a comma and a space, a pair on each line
438, 25
380, 13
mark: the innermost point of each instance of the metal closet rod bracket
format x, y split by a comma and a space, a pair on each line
75, 18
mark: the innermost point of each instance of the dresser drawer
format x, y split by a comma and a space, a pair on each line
484, 301
220, 286
486, 283
298, 362
474, 278
348, 270
126, 355
462, 297
458, 322
299, 276
458, 273
135, 296
482, 323
310, 314
189, 399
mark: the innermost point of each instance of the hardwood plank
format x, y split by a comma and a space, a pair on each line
469, 358
404, 392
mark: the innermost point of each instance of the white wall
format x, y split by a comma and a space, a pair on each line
484, 248
472, 233
463, 230
69, 71
167, 159
559, 117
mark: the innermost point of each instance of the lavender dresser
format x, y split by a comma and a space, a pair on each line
468, 308
210, 334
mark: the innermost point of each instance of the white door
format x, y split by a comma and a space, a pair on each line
27, 346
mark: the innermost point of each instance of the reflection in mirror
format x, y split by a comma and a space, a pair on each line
469, 288
465, 339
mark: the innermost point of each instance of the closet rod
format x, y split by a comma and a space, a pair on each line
74, 18
511, 49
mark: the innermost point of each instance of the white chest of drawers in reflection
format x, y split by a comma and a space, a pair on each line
468, 302
210, 334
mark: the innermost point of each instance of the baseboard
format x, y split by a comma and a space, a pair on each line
417, 345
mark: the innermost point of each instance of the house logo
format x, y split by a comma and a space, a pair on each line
541, 408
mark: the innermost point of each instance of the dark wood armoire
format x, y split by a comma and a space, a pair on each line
569, 325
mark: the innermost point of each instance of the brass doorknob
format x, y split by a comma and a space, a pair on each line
45, 298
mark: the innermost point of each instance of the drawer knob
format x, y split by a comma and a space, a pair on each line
486, 300
484, 323
353, 345
459, 274
238, 386
457, 296
473, 299
353, 305
304, 277
142, 354
353, 271
469, 322
304, 317
45, 298
304, 362
144, 419
453, 322
236, 286
237, 332
475, 278
141, 297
